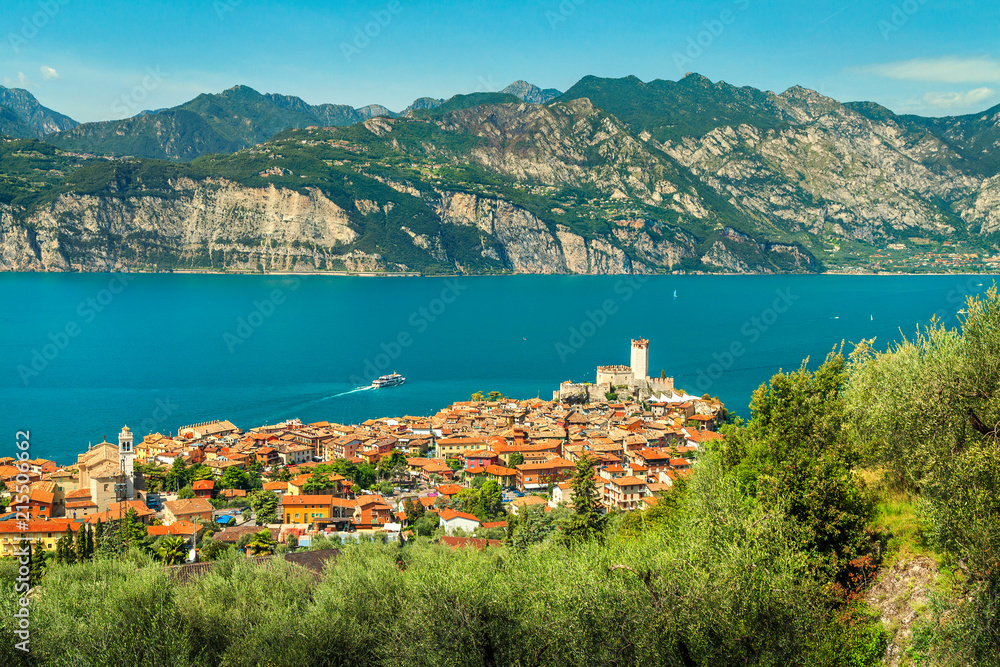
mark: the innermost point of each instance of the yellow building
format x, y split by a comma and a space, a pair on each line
450, 447
46, 532
306, 509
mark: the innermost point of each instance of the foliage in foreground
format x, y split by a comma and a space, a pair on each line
929, 410
723, 583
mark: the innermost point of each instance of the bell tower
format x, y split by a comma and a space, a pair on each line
126, 460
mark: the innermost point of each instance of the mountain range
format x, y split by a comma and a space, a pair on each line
612, 176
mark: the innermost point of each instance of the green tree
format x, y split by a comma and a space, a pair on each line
516, 459
201, 472
214, 550
178, 475
65, 553
234, 478
478, 397
531, 525
265, 506
490, 501
261, 543
410, 510
132, 530
587, 522
36, 564
80, 545
495, 396
292, 541
319, 482
426, 525
389, 466
364, 476
794, 455
186, 492
418, 510
173, 551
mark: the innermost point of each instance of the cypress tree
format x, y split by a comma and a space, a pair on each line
90, 541
80, 545
60, 550
69, 554
36, 566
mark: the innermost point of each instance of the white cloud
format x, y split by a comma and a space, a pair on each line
947, 69
966, 99
22, 80
49, 73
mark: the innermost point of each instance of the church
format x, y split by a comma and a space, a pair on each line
101, 468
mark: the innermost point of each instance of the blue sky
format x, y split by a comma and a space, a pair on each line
101, 59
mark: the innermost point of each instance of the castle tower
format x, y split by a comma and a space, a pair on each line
126, 460
640, 358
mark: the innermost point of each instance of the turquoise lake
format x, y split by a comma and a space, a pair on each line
83, 354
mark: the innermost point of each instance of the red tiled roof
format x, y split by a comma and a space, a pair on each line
450, 514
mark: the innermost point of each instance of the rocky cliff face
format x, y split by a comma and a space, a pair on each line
214, 223
834, 173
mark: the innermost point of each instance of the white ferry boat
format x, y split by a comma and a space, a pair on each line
388, 380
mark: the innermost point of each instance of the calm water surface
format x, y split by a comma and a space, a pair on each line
83, 354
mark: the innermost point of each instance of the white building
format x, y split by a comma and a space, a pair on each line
452, 521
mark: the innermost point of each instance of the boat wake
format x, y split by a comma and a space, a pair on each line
345, 393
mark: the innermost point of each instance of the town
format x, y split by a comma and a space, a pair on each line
386, 478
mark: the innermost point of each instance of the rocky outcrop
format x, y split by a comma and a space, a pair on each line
211, 224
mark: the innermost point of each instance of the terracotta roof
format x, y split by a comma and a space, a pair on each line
203, 485
450, 514
307, 500
178, 528
188, 506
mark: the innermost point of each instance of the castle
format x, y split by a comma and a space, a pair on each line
634, 377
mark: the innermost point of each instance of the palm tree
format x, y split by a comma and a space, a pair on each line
173, 550
261, 544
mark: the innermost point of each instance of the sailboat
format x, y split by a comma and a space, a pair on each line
675, 294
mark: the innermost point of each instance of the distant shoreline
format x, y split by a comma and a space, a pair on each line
374, 274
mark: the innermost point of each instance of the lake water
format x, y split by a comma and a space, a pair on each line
83, 354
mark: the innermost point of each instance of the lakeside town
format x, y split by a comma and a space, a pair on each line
456, 476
